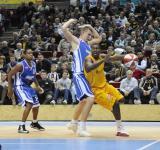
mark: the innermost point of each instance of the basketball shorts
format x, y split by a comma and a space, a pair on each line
26, 94
81, 86
101, 97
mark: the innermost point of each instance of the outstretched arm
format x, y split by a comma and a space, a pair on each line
67, 34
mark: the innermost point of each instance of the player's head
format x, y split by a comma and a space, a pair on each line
86, 33
28, 54
95, 50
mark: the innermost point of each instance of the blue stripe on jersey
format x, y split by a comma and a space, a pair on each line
81, 86
79, 56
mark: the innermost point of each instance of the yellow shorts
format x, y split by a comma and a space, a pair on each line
101, 97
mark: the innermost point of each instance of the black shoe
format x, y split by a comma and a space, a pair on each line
37, 126
22, 129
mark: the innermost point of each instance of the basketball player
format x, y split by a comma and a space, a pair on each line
25, 75
80, 49
105, 94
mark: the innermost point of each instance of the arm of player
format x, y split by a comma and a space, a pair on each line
67, 34
17, 68
89, 65
38, 88
116, 57
96, 37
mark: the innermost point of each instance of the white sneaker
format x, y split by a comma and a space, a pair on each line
64, 102
72, 126
151, 102
53, 102
83, 133
122, 132
137, 102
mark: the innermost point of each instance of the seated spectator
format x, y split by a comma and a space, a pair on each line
148, 88
137, 73
3, 87
142, 61
121, 42
4, 51
12, 63
26, 30
43, 63
62, 88
64, 47
51, 45
15, 39
53, 75
2, 64
48, 87
18, 51
127, 87
154, 64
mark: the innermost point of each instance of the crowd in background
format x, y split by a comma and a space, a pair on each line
124, 29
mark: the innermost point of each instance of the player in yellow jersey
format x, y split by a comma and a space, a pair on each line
105, 94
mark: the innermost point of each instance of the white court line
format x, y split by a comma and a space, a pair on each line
32, 143
148, 145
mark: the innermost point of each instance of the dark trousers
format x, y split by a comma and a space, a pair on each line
145, 99
128, 99
65, 93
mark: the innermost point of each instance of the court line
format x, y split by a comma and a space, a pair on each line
33, 143
148, 145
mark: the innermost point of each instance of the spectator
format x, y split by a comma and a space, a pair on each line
63, 86
18, 51
3, 87
148, 87
53, 75
142, 61
43, 63
48, 87
127, 87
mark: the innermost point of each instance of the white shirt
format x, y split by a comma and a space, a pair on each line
128, 85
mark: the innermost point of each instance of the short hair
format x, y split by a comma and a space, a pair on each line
129, 72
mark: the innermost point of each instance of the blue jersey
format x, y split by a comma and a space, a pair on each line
27, 76
79, 56
81, 84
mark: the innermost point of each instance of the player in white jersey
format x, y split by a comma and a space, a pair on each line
25, 75
81, 49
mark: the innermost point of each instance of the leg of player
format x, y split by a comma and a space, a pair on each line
73, 125
35, 123
82, 131
22, 128
117, 114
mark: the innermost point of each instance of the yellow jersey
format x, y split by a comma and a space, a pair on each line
96, 77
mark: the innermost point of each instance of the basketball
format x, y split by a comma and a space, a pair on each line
129, 59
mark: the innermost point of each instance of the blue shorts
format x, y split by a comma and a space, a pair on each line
81, 86
26, 94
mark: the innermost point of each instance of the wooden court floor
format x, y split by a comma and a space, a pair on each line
107, 130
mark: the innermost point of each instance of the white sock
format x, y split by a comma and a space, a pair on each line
82, 125
74, 121
34, 121
118, 124
23, 123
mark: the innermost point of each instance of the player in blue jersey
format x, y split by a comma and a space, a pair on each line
24, 75
81, 49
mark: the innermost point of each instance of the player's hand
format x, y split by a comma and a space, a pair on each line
10, 92
73, 21
40, 90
